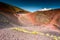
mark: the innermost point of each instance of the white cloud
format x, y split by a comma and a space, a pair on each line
45, 9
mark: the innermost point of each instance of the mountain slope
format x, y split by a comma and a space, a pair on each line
49, 14
17, 16
9, 8
49, 18
9, 14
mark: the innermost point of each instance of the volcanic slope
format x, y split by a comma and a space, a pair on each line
12, 16
48, 18
9, 15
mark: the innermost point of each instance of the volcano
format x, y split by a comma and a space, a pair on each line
45, 21
12, 15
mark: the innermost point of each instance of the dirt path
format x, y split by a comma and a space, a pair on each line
8, 34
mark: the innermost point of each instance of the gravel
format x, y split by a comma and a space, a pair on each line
8, 34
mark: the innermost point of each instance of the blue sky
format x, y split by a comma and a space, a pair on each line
33, 5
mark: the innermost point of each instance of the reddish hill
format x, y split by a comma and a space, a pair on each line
48, 18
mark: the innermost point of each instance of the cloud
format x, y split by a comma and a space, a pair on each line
45, 9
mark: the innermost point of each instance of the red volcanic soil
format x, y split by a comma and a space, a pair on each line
41, 21
48, 18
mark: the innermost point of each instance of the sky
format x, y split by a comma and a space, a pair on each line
33, 5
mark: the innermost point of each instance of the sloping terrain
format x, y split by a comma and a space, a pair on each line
8, 15
49, 17
45, 17
44, 21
